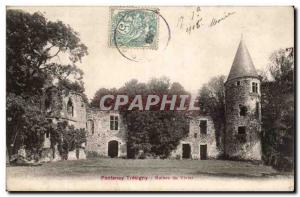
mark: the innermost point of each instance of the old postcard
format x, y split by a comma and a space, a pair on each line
150, 98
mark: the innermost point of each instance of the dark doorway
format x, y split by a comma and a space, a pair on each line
203, 152
113, 148
186, 151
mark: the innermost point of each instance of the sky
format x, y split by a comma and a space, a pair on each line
191, 59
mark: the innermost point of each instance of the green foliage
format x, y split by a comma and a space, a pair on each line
99, 94
77, 86
278, 111
25, 122
212, 103
32, 45
153, 132
67, 138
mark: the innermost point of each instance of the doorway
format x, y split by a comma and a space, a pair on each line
203, 152
113, 148
186, 151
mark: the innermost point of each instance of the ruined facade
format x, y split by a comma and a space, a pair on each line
243, 108
74, 110
68, 107
106, 131
200, 142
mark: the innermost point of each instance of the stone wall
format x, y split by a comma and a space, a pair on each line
243, 146
99, 133
195, 139
79, 116
98, 140
78, 120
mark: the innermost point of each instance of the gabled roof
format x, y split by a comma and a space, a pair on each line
242, 65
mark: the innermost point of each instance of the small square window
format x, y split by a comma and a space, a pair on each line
238, 83
241, 130
195, 135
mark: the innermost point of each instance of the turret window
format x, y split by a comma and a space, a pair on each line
243, 110
257, 111
241, 130
241, 137
254, 87
238, 83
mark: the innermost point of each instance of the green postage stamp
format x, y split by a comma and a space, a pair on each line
133, 27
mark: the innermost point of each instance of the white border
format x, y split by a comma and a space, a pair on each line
5, 3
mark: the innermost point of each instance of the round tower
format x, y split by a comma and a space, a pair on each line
243, 108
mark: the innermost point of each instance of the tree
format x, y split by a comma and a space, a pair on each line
26, 124
212, 103
95, 102
76, 86
278, 111
155, 132
33, 45
67, 138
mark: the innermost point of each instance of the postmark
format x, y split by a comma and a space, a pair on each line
132, 27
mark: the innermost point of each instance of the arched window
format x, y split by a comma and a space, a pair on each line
90, 126
70, 108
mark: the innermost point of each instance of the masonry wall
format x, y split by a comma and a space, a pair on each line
200, 139
98, 140
99, 133
78, 120
79, 117
247, 146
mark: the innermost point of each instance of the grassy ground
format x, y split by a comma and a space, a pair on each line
150, 167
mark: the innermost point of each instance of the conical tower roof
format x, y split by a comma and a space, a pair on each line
242, 65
